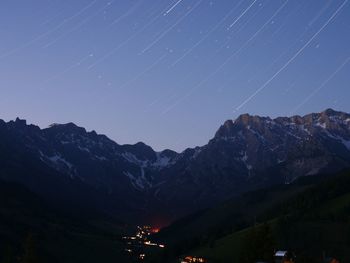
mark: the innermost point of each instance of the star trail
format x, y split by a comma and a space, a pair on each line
169, 72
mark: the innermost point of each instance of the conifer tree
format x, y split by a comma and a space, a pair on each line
8, 256
30, 253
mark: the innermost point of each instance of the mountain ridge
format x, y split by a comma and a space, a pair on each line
247, 153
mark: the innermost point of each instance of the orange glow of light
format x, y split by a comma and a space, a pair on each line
190, 259
155, 230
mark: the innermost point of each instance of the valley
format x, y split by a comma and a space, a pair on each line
173, 131
255, 176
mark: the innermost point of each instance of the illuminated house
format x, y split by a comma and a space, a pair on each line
193, 259
284, 257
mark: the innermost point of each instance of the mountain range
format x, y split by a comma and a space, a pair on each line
67, 164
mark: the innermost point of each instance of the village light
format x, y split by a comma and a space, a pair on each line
192, 259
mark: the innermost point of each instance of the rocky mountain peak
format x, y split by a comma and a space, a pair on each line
18, 123
20, 126
225, 130
330, 112
243, 122
140, 150
66, 128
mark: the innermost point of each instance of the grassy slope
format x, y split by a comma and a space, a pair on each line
324, 227
242, 211
223, 249
306, 217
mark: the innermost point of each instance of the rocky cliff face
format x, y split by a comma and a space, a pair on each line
252, 152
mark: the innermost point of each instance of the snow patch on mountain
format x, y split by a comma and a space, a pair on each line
139, 182
162, 161
133, 159
304, 129
322, 125
258, 135
57, 159
101, 158
245, 161
58, 162
345, 142
83, 149
197, 151
135, 180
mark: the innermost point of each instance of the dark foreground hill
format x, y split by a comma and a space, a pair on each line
309, 217
31, 230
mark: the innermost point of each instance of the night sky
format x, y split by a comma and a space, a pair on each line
170, 72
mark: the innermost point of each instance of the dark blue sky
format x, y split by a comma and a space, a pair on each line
169, 72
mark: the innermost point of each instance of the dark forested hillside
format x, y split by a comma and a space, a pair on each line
309, 217
31, 230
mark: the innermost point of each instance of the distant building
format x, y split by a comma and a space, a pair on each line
284, 257
331, 260
193, 259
